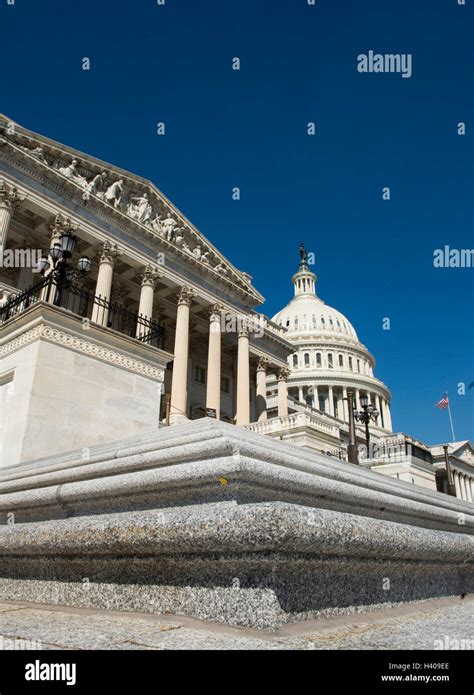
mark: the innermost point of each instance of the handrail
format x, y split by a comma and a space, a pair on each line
86, 304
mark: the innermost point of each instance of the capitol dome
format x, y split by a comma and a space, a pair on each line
329, 359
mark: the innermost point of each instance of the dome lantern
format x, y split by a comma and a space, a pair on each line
304, 280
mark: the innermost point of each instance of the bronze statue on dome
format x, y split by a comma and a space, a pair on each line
303, 252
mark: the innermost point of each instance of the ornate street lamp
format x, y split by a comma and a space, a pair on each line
63, 273
367, 414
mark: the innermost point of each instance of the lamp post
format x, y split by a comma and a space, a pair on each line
63, 273
352, 454
367, 414
451, 489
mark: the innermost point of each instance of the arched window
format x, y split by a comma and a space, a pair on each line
322, 320
330, 364
341, 361
287, 322
296, 320
338, 323
318, 359
295, 360
306, 359
314, 320
350, 363
358, 365
331, 321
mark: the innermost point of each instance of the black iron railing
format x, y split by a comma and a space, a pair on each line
87, 305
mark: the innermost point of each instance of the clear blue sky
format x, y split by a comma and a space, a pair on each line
172, 63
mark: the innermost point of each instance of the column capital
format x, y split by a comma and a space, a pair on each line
9, 196
283, 374
185, 295
215, 312
150, 275
109, 252
263, 364
243, 332
59, 224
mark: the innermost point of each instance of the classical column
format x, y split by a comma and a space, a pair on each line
179, 382
377, 407
9, 201
383, 414
213, 386
472, 487
282, 377
462, 484
262, 389
300, 394
331, 400
457, 487
340, 407
100, 312
346, 405
468, 488
149, 277
315, 397
389, 416
242, 416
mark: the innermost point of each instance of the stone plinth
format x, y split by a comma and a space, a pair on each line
209, 520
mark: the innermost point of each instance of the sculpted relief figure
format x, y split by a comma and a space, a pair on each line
157, 225
94, 186
70, 172
169, 225
113, 193
139, 208
205, 258
37, 153
220, 268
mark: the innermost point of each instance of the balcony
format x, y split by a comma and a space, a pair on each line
87, 306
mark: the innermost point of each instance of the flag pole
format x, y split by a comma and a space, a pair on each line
450, 418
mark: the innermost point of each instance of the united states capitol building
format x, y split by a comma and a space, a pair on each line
167, 448
118, 316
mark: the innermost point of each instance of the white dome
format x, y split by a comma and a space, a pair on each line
328, 360
308, 313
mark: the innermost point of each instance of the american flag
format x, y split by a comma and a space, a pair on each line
443, 403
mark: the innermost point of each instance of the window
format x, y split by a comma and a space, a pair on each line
330, 363
295, 360
225, 384
338, 323
350, 363
331, 321
287, 322
314, 320
306, 359
358, 365
296, 320
318, 359
341, 361
322, 320
199, 374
